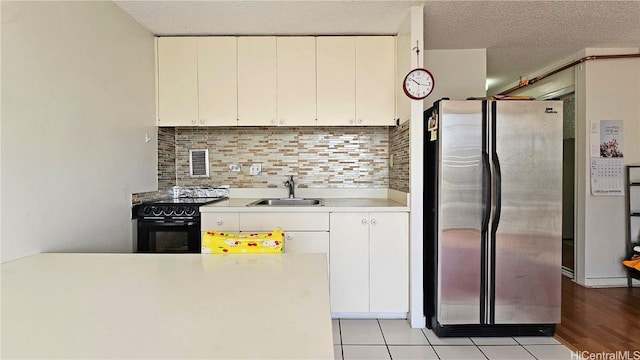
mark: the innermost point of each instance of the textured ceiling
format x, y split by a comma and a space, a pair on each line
520, 36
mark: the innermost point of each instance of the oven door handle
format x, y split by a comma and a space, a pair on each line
154, 223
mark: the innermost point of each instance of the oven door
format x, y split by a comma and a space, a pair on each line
162, 236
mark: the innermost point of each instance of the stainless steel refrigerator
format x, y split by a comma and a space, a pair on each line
493, 217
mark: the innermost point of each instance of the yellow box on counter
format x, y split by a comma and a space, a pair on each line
216, 242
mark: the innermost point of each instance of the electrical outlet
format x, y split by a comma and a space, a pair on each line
234, 167
255, 169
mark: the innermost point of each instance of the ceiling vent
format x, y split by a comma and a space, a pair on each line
199, 163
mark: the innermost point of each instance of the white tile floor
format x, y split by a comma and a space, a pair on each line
395, 339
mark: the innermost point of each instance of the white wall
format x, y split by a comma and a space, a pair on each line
458, 74
605, 90
404, 55
77, 100
562, 80
416, 186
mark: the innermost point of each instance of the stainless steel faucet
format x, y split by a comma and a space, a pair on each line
292, 187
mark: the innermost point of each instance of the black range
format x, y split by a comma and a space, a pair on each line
170, 225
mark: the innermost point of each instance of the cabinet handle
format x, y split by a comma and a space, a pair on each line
374, 221
273, 121
351, 121
281, 121
289, 237
193, 121
359, 121
364, 221
219, 222
201, 121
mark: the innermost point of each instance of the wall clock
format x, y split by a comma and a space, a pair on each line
418, 84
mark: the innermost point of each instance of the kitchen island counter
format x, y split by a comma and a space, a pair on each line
184, 306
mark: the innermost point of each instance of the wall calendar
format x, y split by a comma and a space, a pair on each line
607, 158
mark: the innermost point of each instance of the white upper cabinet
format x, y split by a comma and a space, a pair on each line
356, 77
257, 81
217, 82
177, 81
375, 79
197, 83
296, 80
336, 73
276, 81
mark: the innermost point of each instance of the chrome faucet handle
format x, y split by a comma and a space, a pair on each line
291, 185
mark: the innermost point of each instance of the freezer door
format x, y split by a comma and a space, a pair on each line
460, 212
527, 140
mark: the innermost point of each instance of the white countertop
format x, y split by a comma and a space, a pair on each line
330, 205
183, 306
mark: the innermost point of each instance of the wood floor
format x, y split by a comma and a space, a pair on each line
599, 320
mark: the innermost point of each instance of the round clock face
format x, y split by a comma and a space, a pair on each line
418, 84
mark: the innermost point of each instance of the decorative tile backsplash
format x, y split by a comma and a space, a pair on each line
317, 157
399, 148
321, 157
166, 158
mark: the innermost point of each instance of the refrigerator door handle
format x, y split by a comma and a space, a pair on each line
486, 197
498, 199
494, 230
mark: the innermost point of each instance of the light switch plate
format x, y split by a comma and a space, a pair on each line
234, 167
255, 169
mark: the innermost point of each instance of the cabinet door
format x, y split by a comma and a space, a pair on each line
375, 75
257, 81
307, 242
177, 81
389, 262
349, 259
336, 73
217, 81
296, 81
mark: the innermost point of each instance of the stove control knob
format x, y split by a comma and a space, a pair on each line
179, 210
190, 211
156, 210
146, 210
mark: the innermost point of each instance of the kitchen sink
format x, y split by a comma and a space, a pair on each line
287, 202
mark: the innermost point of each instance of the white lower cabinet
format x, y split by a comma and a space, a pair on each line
367, 252
307, 242
369, 261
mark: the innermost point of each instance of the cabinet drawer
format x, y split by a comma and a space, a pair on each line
287, 221
219, 222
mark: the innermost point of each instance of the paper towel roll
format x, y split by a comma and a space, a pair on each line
636, 249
